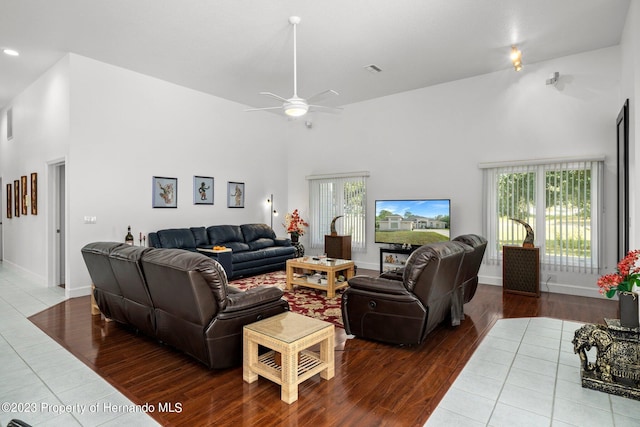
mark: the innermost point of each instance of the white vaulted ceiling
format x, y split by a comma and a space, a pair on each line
236, 48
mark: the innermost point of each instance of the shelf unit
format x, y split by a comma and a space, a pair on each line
392, 259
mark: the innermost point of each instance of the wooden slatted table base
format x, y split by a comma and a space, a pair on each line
291, 372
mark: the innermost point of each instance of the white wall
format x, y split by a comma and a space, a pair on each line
40, 133
116, 129
427, 143
127, 127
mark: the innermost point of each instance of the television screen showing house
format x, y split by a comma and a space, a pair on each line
413, 222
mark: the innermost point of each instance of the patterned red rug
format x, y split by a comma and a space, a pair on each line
307, 301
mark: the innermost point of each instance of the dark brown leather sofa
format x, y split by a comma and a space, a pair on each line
405, 311
179, 297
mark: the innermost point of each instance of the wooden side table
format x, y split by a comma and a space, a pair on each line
521, 270
223, 256
289, 334
337, 246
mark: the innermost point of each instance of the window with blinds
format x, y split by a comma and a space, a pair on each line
560, 200
343, 195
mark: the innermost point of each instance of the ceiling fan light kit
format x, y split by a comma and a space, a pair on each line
297, 106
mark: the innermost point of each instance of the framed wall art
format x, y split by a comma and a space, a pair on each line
23, 195
235, 194
165, 192
16, 198
9, 202
34, 193
202, 190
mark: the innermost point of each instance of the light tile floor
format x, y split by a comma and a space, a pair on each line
40, 382
524, 373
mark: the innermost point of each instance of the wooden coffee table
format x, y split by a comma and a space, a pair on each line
289, 334
329, 265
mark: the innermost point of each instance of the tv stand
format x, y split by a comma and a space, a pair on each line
393, 258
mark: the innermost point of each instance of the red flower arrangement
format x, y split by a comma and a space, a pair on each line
294, 224
628, 275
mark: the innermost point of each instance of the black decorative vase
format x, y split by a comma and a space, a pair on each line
295, 237
628, 302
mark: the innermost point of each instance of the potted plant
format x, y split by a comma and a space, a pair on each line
294, 225
623, 282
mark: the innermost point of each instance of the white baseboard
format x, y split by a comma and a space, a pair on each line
551, 287
41, 280
368, 265
78, 292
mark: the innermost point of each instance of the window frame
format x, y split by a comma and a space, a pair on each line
555, 261
319, 219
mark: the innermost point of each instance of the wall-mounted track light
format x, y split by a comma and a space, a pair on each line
516, 58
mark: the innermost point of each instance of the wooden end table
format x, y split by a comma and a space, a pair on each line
289, 334
328, 265
223, 256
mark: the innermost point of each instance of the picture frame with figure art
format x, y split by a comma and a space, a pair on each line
235, 194
165, 192
202, 190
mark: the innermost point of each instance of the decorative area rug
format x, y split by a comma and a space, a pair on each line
306, 301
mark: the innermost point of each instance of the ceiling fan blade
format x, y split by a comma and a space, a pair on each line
264, 108
273, 95
325, 109
321, 95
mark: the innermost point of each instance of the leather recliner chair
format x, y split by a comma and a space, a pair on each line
405, 311
474, 246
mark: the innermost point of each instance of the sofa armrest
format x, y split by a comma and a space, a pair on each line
394, 274
282, 241
251, 298
378, 285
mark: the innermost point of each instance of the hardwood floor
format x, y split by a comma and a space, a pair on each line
374, 384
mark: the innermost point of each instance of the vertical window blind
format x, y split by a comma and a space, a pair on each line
341, 195
560, 200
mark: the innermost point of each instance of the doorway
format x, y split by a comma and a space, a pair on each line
56, 223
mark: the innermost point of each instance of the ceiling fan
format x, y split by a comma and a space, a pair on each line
297, 106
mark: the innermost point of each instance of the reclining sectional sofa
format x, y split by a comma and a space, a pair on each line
179, 297
256, 249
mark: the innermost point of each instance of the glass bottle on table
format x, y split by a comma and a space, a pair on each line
129, 237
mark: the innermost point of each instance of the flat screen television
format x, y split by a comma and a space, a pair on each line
415, 222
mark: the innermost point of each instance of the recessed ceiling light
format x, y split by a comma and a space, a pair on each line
11, 52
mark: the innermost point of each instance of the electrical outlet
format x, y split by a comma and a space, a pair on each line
89, 219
